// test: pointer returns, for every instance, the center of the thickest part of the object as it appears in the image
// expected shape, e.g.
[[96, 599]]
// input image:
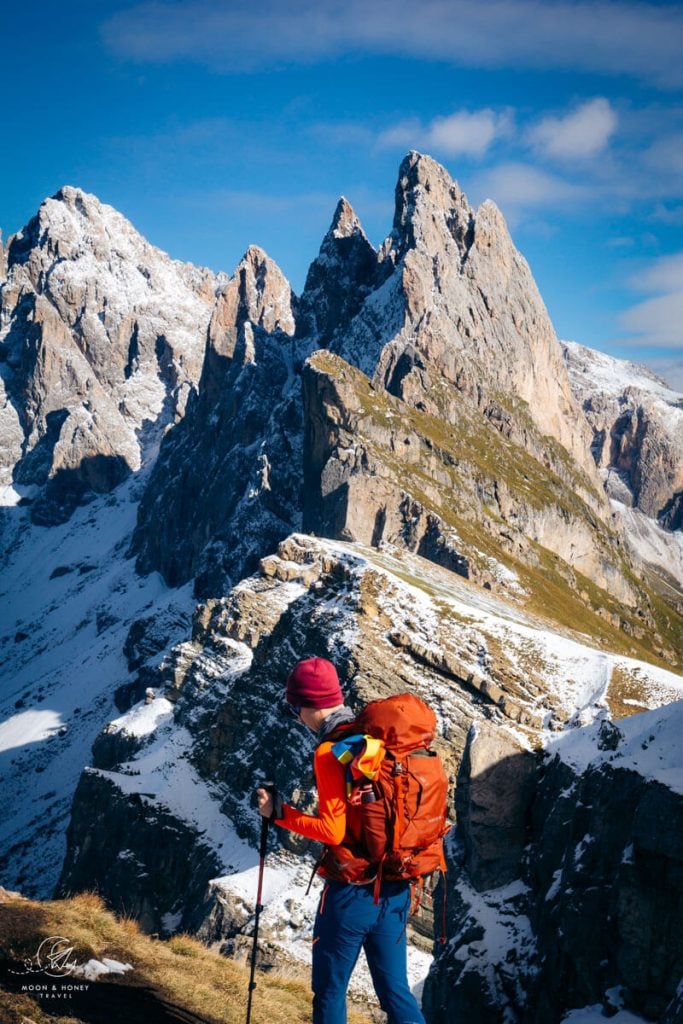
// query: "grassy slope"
[[556, 592], [181, 970]]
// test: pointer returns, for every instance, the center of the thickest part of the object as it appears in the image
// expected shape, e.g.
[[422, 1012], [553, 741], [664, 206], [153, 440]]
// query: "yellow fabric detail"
[[368, 762]]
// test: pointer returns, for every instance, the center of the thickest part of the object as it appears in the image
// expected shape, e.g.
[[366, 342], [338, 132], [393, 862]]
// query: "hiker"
[[357, 908]]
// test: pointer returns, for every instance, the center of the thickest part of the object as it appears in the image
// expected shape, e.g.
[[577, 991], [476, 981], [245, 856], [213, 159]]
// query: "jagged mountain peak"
[[257, 257], [490, 227], [117, 335], [259, 293], [76, 226], [431, 209], [68, 223], [340, 277], [345, 222]]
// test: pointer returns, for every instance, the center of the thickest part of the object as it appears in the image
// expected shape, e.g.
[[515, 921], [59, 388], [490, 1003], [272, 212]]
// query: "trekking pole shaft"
[[263, 846]]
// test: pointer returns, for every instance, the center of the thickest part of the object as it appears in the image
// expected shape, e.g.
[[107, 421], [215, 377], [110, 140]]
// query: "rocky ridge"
[[181, 768], [102, 337], [389, 620], [637, 424], [566, 890], [256, 422], [225, 487]]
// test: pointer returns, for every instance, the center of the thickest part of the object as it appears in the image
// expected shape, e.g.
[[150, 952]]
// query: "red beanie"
[[314, 683]]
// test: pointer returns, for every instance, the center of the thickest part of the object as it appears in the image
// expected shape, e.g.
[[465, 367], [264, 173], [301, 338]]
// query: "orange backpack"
[[400, 788]]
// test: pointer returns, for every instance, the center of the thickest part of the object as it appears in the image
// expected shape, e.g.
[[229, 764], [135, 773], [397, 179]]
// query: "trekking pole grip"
[[272, 789]]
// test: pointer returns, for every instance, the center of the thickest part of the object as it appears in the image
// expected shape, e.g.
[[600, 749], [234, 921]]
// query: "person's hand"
[[265, 803]]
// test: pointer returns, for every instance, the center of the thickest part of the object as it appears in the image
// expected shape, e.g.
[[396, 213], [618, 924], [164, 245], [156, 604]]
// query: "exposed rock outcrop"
[[461, 301], [593, 918], [101, 338], [377, 469], [492, 798], [445, 317], [637, 424], [391, 622], [339, 280], [160, 867], [225, 487]]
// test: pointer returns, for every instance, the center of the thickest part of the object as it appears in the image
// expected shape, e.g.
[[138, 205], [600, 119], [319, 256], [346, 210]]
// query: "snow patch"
[[94, 969], [650, 746]]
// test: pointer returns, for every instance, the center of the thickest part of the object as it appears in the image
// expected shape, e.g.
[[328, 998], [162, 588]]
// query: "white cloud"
[[663, 275], [462, 133], [665, 155], [658, 321], [517, 187], [581, 134], [611, 37]]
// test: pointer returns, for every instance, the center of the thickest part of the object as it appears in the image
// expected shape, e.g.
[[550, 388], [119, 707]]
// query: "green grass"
[[476, 457]]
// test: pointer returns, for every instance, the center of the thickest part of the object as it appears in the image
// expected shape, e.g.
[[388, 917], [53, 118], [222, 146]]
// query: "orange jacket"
[[336, 821]]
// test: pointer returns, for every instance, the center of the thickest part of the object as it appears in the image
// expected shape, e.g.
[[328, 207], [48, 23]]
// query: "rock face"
[[225, 682], [164, 859], [391, 621], [101, 338], [637, 424], [377, 469], [3, 260], [446, 327], [225, 487], [593, 917], [339, 280], [471, 308], [495, 783]]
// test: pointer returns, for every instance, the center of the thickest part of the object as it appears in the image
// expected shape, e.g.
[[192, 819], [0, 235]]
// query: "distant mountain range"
[[205, 477]]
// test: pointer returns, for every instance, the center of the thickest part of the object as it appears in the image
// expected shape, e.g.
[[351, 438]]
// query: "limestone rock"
[[143, 882], [257, 294], [340, 278], [493, 797], [441, 451], [391, 622], [378, 471], [595, 907], [637, 424], [456, 296], [102, 335], [225, 487]]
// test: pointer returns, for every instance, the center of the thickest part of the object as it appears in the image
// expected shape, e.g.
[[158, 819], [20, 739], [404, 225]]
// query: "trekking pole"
[[263, 846]]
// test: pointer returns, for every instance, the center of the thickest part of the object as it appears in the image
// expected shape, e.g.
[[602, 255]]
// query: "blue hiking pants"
[[348, 919]]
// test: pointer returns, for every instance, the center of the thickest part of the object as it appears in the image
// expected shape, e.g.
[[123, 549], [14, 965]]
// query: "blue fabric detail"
[[348, 919], [350, 745]]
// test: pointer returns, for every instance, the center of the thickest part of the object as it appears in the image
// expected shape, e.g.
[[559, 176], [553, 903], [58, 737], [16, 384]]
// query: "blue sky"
[[214, 124]]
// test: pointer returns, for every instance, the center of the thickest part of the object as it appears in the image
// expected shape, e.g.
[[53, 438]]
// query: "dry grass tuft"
[[181, 970]]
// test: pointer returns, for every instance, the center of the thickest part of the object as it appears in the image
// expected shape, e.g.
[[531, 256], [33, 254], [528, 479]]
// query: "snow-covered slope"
[[637, 423], [69, 596], [648, 743], [390, 620]]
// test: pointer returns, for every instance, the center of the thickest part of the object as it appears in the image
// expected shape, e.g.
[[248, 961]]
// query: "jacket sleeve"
[[329, 825]]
